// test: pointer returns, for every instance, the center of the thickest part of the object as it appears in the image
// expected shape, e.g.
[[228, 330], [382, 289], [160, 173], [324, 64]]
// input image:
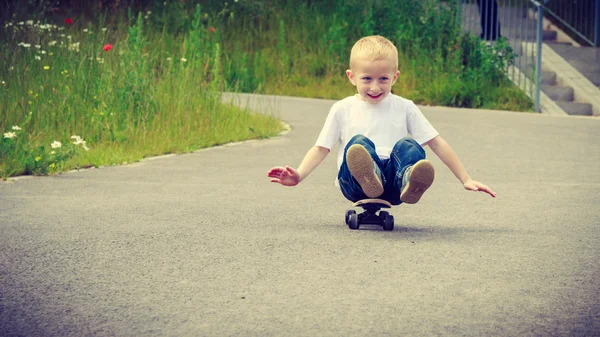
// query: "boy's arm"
[[445, 152], [289, 176]]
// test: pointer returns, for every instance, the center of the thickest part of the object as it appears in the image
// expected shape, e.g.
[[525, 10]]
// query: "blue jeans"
[[405, 153]]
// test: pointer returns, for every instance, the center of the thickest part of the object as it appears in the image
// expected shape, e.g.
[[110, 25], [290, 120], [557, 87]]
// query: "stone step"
[[549, 35], [557, 93], [584, 66], [594, 77], [548, 77], [574, 108]]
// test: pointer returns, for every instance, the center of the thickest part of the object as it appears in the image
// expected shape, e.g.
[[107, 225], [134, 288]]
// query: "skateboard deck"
[[375, 202], [370, 216]]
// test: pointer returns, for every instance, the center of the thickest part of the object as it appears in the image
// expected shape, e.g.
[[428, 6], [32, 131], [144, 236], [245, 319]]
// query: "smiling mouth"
[[375, 96]]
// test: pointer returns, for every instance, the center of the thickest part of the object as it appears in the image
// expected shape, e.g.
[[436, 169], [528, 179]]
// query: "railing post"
[[597, 25], [538, 54], [459, 13]]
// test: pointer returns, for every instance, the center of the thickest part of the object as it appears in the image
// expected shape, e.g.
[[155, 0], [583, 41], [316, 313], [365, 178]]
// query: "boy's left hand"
[[473, 185]]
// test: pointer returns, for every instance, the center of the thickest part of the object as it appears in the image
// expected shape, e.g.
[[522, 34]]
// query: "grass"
[[147, 81], [125, 100]]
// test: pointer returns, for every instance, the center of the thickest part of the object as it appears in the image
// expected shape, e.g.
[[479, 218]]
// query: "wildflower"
[[52, 165], [169, 59], [38, 158], [3, 83], [37, 46], [42, 52], [74, 46], [68, 21], [212, 29], [55, 144], [16, 128], [183, 59], [52, 43], [46, 67], [21, 23], [78, 140], [37, 57], [29, 22], [53, 152], [85, 30], [10, 135], [104, 29], [107, 47]]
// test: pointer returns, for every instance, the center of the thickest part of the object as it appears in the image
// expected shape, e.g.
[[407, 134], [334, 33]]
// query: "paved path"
[[203, 245]]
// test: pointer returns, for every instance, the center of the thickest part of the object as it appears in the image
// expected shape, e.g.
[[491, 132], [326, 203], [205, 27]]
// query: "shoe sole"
[[421, 178], [360, 164]]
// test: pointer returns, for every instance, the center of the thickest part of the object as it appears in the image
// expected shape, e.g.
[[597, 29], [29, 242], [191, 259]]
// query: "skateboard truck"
[[370, 216]]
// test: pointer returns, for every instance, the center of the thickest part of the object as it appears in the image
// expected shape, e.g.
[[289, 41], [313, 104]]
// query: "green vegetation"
[[147, 80]]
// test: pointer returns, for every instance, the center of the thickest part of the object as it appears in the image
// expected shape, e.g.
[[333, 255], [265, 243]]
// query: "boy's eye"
[[366, 78], [384, 79]]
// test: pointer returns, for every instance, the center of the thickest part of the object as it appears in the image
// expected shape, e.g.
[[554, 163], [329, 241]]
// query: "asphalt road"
[[203, 245]]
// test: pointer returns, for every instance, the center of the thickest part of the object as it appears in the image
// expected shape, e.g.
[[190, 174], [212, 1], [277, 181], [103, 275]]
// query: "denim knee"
[[407, 144], [360, 139]]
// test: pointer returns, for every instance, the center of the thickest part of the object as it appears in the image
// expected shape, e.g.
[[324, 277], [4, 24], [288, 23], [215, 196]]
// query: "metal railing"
[[580, 19], [511, 22]]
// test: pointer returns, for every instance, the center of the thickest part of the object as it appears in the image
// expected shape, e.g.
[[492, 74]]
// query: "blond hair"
[[374, 48]]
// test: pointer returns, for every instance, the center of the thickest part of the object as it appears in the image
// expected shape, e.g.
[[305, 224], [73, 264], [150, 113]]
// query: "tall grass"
[[439, 65], [127, 91], [157, 89]]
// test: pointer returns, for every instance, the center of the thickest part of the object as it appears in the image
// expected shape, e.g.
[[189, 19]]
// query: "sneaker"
[[416, 180], [364, 170]]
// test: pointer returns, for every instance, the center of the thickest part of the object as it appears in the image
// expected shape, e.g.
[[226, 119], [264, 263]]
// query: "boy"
[[376, 158]]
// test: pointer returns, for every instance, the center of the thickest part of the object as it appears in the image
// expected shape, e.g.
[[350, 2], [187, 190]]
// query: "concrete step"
[[585, 66], [549, 35], [594, 77], [574, 108], [557, 93], [548, 77]]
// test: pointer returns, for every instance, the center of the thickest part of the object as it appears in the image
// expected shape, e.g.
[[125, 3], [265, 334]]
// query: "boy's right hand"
[[285, 176]]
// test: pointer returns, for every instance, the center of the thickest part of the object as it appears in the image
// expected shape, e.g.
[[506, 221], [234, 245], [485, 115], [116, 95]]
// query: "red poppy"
[[68, 21], [211, 29], [107, 47]]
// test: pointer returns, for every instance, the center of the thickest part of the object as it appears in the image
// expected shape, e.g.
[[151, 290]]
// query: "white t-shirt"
[[384, 124]]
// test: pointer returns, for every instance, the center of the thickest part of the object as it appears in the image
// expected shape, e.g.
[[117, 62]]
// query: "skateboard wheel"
[[348, 213], [388, 221], [353, 221]]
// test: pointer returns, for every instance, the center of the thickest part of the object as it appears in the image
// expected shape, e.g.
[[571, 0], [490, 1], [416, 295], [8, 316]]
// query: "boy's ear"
[[351, 77], [396, 76]]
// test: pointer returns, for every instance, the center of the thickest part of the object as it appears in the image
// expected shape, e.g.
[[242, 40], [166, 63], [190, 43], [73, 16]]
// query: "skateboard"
[[370, 216]]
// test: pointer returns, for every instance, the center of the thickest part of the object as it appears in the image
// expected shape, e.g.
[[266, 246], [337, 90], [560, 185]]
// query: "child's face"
[[373, 79]]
